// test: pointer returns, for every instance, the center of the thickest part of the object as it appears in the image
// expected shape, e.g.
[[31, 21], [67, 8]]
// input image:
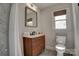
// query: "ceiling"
[[44, 5]]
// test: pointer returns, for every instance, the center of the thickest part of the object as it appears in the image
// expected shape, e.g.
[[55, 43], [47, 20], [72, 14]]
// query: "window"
[[60, 19]]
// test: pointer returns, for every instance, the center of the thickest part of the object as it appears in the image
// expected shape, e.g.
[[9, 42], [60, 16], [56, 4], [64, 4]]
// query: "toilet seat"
[[60, 47]]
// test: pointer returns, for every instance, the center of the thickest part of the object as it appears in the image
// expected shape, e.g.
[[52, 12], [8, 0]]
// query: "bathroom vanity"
[[34, 45]]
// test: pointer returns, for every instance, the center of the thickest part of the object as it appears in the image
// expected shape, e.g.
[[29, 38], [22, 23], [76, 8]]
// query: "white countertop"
[[33, 36]]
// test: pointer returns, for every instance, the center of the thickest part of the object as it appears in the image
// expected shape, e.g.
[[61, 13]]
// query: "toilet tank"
[[61, 39]]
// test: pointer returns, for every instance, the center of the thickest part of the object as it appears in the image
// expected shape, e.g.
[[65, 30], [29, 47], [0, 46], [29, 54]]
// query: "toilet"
[[60, 46]]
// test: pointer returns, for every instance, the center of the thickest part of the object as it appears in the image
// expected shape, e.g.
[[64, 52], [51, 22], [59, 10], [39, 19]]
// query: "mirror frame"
[[26, 17]]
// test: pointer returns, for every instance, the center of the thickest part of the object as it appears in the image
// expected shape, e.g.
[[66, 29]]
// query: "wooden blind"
[[61, 12], [30, 19]]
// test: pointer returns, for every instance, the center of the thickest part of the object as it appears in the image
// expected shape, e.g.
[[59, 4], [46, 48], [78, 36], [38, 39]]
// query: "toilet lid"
[[60, 46]]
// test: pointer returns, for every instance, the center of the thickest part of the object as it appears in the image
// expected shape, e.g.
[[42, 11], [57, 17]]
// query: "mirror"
[[30, 17]]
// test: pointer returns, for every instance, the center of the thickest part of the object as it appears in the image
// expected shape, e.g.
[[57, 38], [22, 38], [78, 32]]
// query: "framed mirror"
[[30, 17]]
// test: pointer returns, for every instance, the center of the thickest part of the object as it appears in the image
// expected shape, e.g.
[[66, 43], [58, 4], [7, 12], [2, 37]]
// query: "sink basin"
[[32, 36]]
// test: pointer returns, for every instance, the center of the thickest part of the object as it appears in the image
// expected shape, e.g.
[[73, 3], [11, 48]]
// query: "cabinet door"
[[27, 47], [35, 45], [38, 45]]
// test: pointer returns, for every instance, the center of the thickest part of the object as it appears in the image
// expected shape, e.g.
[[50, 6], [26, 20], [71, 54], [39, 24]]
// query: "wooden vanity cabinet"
[[33, 46]]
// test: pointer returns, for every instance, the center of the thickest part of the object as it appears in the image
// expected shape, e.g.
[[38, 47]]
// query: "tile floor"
[[48, 53], [53, 53]]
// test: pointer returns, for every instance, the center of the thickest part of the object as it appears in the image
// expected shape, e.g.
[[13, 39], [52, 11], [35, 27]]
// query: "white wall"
[[49, 28]]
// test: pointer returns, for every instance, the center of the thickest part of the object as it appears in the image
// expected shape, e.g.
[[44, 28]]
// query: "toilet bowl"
[[60, 47]]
